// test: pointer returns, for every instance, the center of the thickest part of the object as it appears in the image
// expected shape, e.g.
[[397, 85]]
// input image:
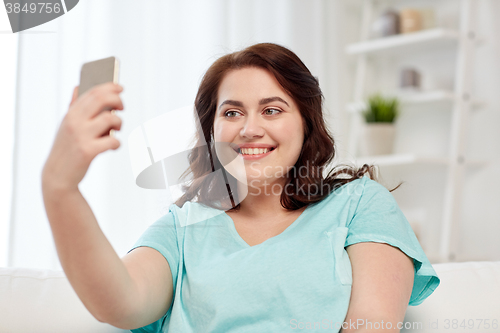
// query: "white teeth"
[[254, 151]]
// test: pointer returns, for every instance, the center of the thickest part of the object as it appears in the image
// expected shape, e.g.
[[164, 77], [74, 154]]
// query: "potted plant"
[[379, 130]]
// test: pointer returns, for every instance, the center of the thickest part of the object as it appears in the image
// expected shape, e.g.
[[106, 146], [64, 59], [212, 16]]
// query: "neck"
[[261, 200]]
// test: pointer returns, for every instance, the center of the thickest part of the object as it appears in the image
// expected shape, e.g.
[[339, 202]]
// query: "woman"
[[260, 251]]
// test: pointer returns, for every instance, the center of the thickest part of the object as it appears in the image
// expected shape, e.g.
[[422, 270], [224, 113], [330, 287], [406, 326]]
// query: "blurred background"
[[430, 68]]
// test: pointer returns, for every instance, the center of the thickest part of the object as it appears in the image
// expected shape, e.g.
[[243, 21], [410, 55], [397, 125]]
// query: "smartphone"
[[97, 72]]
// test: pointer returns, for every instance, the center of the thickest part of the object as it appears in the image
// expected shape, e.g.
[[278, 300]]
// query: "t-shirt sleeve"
[[162, 236], [378, 218]]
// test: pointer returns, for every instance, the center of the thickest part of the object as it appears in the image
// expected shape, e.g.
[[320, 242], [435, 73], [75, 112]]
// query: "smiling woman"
[[275, 244], [292, 243], [264, 97]]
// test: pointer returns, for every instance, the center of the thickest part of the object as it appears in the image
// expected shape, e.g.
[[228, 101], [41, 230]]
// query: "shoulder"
[[361, 187], [363, 193], [339, 206], [342, 204], [353, 192], [193, 212]]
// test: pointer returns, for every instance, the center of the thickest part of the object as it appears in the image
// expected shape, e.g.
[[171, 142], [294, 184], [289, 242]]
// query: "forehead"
[[248, 84]]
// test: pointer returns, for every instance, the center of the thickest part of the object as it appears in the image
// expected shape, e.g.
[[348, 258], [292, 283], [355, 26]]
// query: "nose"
[[252, 128]]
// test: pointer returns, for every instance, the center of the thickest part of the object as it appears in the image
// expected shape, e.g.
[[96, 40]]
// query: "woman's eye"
[[271, 112], [231, 114]]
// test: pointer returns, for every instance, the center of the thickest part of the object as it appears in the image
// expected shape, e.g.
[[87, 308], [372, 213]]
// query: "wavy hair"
[[318, 149]]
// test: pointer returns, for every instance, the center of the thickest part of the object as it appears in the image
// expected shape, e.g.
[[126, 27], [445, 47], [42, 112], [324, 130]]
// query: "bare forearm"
[[371, 326], [92, 266]]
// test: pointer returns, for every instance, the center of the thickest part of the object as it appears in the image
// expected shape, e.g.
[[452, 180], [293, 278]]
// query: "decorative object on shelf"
[[379, 130], [410, 20], [428, 18], [381, 109], [410, 79], [387, 24]]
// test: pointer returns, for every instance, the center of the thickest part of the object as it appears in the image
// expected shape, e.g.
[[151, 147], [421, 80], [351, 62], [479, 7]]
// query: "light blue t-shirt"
[[303, 275]]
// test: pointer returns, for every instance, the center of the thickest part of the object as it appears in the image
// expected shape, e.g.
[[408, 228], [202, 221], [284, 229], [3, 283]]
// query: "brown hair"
[[318, 149]]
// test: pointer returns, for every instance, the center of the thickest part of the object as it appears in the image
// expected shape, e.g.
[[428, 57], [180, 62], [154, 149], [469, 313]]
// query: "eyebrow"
[[272, 99], [261, 102], [231, 102]]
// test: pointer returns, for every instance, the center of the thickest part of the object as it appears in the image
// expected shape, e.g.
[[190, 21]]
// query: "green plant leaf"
[[381, 109]]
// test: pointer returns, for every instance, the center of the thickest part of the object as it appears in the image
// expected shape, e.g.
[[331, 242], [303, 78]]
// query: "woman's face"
[[261, 123]]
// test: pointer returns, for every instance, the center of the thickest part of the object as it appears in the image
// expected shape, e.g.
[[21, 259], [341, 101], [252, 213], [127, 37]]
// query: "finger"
[[105, 143], [104, 122], [95, 104], [75, 96], [101, 97], [112, 131]]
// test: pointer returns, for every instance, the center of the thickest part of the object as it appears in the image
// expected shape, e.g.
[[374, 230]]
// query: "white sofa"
[[38, 301], [43, 301], [467, 300]]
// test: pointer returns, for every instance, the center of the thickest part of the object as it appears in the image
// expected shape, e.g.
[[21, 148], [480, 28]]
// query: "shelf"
[[403, 41], [398, 159], [409, 158], [417, 97], [411, 98], [427, 97]]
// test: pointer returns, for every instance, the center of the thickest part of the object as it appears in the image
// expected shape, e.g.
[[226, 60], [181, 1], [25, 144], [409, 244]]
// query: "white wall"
[[480, 226], [8, 66]]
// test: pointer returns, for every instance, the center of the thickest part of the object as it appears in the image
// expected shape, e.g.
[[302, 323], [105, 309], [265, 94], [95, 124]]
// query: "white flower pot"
[[377, 139]]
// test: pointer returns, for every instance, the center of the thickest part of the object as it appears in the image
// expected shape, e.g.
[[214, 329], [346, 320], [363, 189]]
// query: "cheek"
[[292, 134], [221, 131], [296, 142]]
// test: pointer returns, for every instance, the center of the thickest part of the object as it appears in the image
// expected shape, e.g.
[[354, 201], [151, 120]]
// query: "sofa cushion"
[[43, 301], [467, 300]]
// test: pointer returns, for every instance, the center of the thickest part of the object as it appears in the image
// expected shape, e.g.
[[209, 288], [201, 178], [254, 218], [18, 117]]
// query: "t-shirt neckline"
[[240, 240]]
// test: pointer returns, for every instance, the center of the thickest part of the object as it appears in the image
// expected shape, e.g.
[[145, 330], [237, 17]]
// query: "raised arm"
[[129, 292]]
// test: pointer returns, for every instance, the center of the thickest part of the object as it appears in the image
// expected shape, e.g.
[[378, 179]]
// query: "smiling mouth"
[[254, 151]]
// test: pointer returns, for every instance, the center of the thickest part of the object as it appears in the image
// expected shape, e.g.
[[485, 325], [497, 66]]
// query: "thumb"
[[75, 96]]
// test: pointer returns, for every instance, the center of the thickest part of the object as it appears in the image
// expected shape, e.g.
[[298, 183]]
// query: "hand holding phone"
[[98, 72], [83, 133]]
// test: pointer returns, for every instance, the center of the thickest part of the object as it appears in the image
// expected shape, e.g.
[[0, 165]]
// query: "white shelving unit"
[[459, 102], [412, 98], [401, 159], [397, 43]]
